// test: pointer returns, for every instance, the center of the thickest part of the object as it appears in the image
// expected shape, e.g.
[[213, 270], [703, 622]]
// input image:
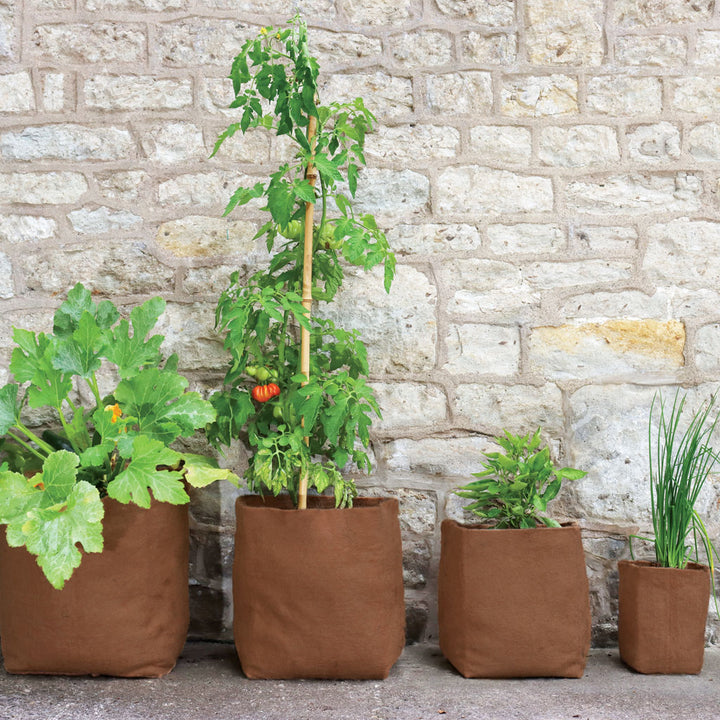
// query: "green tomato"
[[251, 370], [277, 412], [327, 237], [262, 374], [293, 230]]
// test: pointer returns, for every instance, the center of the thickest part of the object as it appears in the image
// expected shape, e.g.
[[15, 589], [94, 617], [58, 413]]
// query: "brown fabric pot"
[[124, 612], [318, 593], [513, 603], [662, 616]]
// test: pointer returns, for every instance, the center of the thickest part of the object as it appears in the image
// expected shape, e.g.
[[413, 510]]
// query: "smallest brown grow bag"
[[662, 616], [318, 593], [124, 612], [513, 603]]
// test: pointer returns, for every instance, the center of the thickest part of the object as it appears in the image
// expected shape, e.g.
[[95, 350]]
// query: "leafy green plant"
[[515, 487], [52, 481], [315, 419], [680, 462]]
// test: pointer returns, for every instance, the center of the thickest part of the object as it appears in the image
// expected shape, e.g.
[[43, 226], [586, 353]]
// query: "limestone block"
[[87, 221], [517, 408], [483, 12], [482, 350], [501, 145], [197, 42], [707, 48], [564, 31], [16, 93], [607, 349], [380, 12], [613, 239], [26, 229], [700, 304], [196, 236], [208, 188], [654, 144], [111, 268], [699, 95], [85, 43], [433, 238], [550, 275], [474, 190], [392, 192], [121, 184], [284, 8], [40, 188], [135, 5], [9, 38], [579, 146], [416, 561], [137, 92], [421, 48], [458, 93], [398, 328], [387, 97], [53, 92], [538, 96], [623, 303], [252, 147], [648, 13], [704, 142], [336, 48], [7, 288], [526, 238], [412, 143], [707, 348], [173, 142], [409, 405], [495, 49], [683, 253], [651, 50], [624, 95], [208, 280], [636, 194], [438, 456], [609, 440], [189, 331], [67, 142]]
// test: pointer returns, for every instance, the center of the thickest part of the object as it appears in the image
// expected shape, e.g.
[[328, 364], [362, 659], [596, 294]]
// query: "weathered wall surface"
[[546, 170]]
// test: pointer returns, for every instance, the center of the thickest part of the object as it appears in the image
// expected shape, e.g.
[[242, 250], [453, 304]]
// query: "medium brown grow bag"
[[318, 593], [662, 615], [124, 612], [513, 603]]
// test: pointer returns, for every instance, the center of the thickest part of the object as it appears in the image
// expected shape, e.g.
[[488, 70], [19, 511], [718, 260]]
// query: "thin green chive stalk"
[[680, 463]]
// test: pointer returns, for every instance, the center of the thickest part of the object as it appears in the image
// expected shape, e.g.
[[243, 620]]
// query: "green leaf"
[[58, 476], [18, 495], [79, 354], [9, 407], [142, 475], [53, 533], [67, 316], [570, 474], [96, 455], [201, 471]]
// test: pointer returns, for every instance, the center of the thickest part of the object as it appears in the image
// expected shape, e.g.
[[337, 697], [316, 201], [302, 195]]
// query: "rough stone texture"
[[564, 31], [579, 146], [546, 171]]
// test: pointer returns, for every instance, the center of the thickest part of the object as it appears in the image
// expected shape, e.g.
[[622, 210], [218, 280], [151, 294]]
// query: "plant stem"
[[26, 445], [311, 175], [34, 438]]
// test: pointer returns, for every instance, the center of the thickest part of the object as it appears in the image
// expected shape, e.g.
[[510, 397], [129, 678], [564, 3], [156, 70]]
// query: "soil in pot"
[[662, 616], [124, 612], [513, 603], [318, 593]]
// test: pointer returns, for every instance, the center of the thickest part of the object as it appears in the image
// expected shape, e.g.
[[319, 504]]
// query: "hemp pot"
[[318, 593], [124, 612], [513, 603], [662, 616]]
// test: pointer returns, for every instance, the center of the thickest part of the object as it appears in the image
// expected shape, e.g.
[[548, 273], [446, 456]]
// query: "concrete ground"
[[207, 684]]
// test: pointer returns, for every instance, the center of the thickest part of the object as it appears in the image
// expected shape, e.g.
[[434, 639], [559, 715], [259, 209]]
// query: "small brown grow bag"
[[513, 603], [662, 615], [318, 593], [124, 612]]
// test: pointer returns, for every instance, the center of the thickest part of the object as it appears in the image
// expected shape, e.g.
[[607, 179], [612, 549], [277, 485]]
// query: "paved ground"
[[207, 685]]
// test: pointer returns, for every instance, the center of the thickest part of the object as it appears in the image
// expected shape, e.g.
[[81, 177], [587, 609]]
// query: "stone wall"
[[547, 172]]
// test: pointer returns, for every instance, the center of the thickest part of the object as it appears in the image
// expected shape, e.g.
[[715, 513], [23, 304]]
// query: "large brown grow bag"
[[318, 593], [124, 612], [513, 603], [662, 615]]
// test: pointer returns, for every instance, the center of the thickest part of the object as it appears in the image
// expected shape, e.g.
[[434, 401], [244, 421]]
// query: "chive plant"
[[680, 462]]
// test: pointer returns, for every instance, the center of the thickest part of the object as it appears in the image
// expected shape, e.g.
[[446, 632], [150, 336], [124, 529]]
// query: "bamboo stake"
[[311, 176]]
